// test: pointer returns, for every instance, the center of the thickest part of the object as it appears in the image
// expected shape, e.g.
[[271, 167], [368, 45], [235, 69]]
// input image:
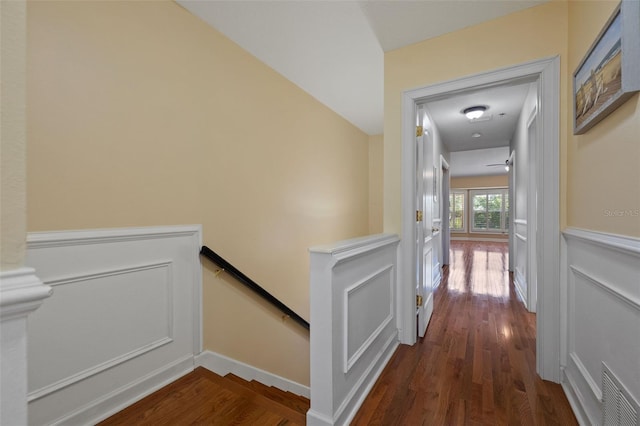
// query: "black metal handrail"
[[232, 270]]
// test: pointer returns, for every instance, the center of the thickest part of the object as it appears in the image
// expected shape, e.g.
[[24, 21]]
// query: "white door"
[[424, 220]]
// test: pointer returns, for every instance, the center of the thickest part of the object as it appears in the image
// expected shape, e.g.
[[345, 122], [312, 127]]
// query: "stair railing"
[[248, 282]]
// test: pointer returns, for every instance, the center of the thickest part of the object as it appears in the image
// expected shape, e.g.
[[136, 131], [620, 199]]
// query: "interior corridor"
[[476, 364]]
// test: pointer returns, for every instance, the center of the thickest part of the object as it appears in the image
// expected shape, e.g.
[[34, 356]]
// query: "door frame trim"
[[547, 72], [445, 188]]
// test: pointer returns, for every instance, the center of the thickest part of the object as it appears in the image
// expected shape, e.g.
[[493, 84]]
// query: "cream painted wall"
[[140, 114], [376, 182], [475, 182], [13, 217], [520, 37], [466, 182], [604, 163]]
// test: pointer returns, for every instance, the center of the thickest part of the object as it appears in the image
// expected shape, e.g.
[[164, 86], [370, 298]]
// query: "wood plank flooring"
[[476, 364], [205, 398]]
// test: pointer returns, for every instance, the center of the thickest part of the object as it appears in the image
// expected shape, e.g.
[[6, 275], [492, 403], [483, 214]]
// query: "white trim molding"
[[601, 319], [223, 365], [546, 72], [622, 243], [351, 359], [483, 239], [37, 240], [21, 293]]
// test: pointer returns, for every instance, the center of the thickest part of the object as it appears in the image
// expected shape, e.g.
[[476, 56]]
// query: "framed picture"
[[609, 73]]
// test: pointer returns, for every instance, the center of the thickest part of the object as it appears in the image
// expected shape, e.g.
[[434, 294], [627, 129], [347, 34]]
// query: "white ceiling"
[[496, 126], [479, 162], [334, 50]]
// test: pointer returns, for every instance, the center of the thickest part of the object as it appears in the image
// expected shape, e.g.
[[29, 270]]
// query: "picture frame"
[[608, 74]]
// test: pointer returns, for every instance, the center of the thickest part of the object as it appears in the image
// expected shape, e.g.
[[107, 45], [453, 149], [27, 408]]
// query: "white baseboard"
[[574, 398], [481, 239], [369, 379], [520, 285], [122, 398], [351, 404], [223, 365]]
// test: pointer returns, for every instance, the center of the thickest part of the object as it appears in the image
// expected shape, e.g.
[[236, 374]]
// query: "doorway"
[[547, 224]]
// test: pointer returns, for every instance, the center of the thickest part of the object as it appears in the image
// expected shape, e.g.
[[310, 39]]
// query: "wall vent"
[[619, 408]]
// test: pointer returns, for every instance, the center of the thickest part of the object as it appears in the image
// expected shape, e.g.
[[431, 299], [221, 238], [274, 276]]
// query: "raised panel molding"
[[124, 318], [609, 288], [353, 312], [133, 353], [602, 320], [351, 358]]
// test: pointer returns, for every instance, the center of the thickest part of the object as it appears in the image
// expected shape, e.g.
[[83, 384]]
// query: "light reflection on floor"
[[481, 269]]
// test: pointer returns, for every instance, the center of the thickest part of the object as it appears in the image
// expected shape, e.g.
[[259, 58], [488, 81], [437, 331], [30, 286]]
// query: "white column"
[[21, 292]]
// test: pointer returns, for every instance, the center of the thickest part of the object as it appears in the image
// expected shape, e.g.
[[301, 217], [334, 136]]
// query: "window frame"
[[463, 192], [504, 213]]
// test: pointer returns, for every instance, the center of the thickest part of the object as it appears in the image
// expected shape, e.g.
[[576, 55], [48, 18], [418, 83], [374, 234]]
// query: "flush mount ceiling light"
[[474, 112]]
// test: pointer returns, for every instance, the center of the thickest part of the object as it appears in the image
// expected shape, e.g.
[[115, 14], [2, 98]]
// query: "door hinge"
[[418, 300], [418, 130], [418, 215]]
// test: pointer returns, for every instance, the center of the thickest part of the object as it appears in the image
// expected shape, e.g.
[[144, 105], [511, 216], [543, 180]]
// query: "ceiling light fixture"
[[474, 112], [476, 135]]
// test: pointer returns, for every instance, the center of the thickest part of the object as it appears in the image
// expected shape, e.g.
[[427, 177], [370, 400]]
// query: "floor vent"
[[619, 408]]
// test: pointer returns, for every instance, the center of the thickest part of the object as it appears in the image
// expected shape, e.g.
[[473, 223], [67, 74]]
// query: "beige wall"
[[466, 182], [520, 37], [475, 182], [376, 182], [140, 114], [13, 218], [603, 184]]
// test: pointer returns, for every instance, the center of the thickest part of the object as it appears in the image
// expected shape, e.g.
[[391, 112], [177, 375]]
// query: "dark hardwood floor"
[[476, 365], [205, 398]]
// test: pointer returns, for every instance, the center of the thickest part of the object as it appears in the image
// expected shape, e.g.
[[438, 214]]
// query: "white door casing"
[[547, 72], [445, 232], [532, 247]]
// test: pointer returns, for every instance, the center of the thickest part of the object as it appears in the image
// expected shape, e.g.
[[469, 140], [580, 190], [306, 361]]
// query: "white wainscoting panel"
[[123, 320], [520, 259], [353, 312], [603, 317], [368, 309]]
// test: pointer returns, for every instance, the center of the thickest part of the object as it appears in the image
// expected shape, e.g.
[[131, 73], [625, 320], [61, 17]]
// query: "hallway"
[[476, 364]]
